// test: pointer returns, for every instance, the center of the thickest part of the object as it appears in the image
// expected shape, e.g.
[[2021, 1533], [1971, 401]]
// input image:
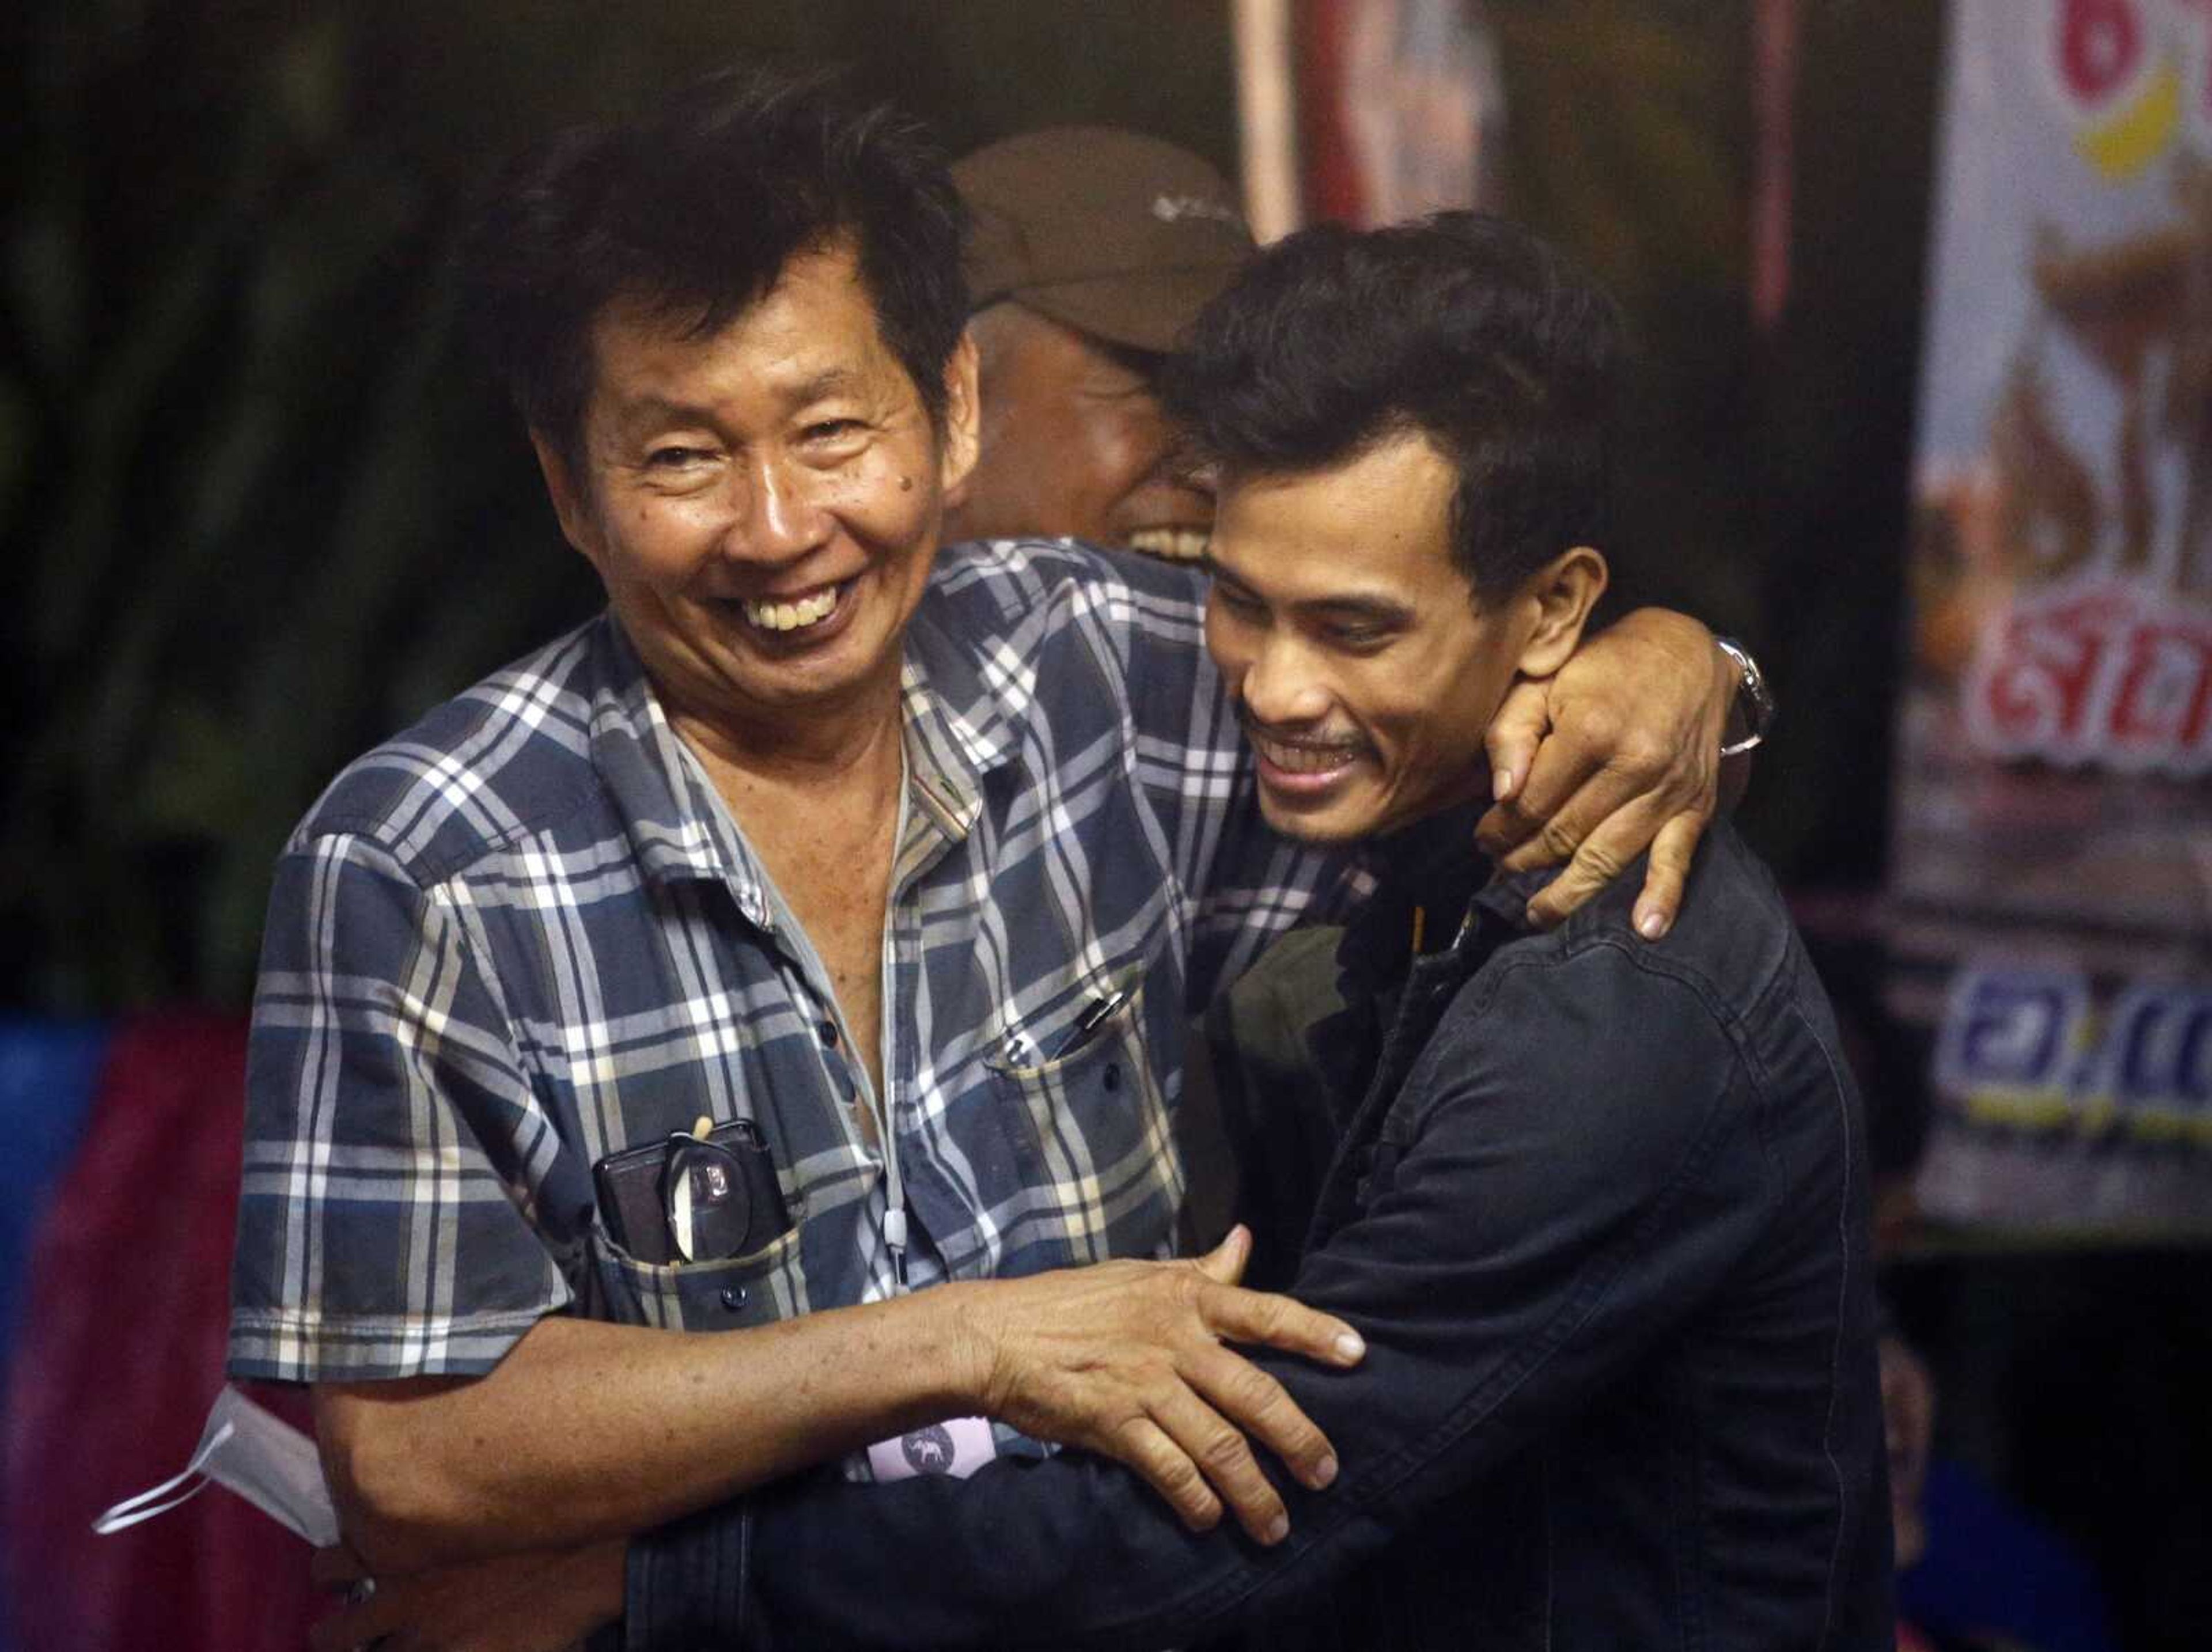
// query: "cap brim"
[[1147, 312]]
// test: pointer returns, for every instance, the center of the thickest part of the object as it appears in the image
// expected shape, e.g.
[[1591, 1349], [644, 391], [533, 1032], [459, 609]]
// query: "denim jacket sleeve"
[[1575, 1161]]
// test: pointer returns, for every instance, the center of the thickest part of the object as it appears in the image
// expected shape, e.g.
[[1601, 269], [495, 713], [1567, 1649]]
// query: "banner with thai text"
[[2052, 864]]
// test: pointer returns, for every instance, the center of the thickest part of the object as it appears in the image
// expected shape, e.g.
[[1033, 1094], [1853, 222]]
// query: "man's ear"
[[562, 487], [960, 437], [1563, 592]]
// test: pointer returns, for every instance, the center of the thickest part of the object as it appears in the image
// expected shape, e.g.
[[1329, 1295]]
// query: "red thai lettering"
[[2112, 675], [2161, 707], [2035, 694]]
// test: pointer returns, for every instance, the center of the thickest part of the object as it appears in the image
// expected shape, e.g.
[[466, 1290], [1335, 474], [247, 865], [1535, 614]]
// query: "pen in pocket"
[[1088, 1020]]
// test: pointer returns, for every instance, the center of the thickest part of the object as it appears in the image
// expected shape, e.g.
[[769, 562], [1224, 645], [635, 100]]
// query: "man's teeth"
[[1171, 544], [793, 615], [1303, 759]]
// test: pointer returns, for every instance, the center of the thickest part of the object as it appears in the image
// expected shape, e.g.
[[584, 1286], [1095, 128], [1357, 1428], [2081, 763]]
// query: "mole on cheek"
[[906, 484]]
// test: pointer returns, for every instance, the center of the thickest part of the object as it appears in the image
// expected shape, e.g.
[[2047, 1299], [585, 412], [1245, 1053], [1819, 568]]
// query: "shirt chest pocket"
[[725, 1294], [1080, 1091], [762, 1281]]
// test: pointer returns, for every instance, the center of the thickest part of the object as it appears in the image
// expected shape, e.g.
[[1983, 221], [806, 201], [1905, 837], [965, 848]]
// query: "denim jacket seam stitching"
[[1693, 1621], [1397, 1108], [1387, 1475], [1491, 984], [1836, 1348], [1733, 1023]]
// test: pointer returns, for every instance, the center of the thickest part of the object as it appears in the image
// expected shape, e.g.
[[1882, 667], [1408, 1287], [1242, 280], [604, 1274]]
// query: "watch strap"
[[1755, 699]]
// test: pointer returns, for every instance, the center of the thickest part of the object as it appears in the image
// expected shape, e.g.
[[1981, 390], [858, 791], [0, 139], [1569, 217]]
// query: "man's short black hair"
[[1461, 326], [694, 210]]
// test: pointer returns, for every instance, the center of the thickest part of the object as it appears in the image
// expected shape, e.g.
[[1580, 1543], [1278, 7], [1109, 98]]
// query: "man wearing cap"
[[1090, 250]]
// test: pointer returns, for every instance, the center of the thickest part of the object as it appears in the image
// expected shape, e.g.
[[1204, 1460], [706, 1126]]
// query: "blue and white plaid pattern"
[[525, 934]]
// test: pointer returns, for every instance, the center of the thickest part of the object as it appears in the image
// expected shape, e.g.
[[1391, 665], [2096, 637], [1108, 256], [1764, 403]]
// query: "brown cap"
[[1110, 232]]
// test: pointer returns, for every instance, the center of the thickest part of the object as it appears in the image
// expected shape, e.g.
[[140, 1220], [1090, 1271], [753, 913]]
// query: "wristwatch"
[[1754, 700]]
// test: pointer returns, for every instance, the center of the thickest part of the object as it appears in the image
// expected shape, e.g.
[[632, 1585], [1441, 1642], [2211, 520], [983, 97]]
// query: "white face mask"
[[257, 1454]]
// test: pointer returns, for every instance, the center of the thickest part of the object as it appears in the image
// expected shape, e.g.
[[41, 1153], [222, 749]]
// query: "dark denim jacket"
[[1600, 1214]]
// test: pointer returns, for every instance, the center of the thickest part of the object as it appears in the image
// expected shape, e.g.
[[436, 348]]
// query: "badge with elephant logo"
[[957, 1447]]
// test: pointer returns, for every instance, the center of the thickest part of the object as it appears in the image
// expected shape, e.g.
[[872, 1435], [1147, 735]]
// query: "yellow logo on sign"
[[2122, 146]]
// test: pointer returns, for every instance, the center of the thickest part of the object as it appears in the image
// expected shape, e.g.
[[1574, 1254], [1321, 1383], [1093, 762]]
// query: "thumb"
[[1224, 1263], [1521, 719]]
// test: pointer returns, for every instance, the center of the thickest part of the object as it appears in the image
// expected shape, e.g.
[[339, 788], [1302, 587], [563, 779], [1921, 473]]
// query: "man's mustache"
[[1300, 741]]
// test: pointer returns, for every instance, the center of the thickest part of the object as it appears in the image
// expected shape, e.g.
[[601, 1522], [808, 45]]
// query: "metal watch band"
[[1752, 697]]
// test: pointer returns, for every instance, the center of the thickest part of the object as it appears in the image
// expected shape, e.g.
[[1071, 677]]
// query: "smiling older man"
[[818, 925]]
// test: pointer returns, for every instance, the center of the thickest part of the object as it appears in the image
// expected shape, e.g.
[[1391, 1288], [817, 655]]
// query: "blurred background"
[[1926, 297]]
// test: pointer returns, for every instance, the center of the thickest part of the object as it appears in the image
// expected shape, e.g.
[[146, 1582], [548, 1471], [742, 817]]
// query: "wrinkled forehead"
[[815, 330]]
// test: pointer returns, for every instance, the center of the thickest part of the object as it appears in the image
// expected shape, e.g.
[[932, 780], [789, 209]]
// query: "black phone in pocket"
[[688, 1200]]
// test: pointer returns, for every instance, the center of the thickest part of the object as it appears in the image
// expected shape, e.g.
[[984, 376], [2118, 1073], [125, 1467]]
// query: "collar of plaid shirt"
[[955, 734]]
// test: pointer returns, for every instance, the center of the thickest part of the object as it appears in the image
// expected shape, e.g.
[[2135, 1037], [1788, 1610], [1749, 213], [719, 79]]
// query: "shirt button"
[[733, 1297], [828, 1030]]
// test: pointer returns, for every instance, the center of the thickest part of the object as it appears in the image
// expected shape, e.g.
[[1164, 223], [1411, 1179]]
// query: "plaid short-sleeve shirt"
[[525, 934]]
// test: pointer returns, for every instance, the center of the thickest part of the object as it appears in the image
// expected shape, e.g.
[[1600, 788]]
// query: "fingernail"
[[1278, 1529], [1324, 1472], [1651, 926], [1500, 784], [1350, 1349]]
